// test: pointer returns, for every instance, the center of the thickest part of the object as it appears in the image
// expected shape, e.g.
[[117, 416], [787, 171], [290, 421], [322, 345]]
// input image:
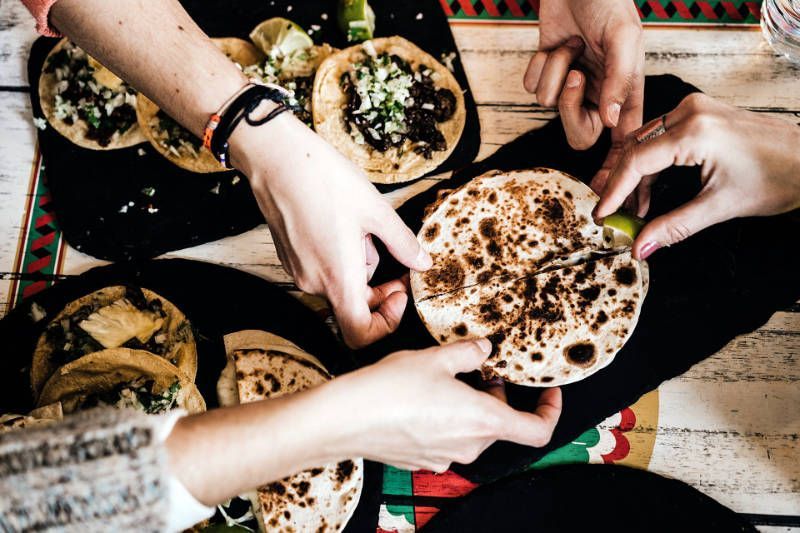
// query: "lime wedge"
[[623, 227], [282, 33], [356, 19]]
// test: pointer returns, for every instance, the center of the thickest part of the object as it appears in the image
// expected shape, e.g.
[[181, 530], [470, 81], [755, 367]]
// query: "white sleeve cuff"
[[184, 509]]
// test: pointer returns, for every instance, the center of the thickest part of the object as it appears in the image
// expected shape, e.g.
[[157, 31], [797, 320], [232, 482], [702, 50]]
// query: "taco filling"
[[137, 394], [274, 70], [129, 322], [389, 102], [86, 91], [174, 138]]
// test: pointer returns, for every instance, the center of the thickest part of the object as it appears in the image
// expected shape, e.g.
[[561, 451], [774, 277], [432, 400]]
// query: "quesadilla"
[[85, 102], [122, 378], [175, 142], [389, 107], [518, 259], [264, 366], [115, 317]]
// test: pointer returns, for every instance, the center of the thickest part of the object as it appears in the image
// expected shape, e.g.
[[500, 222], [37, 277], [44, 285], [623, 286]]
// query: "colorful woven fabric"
[[651, 11]]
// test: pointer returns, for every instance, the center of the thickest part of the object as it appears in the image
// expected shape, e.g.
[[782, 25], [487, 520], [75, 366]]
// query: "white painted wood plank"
[[16, 35]]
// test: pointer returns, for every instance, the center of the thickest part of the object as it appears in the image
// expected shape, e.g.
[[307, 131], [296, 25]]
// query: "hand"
[[750, 167], [322, 212], [604, 39], [412, 413]]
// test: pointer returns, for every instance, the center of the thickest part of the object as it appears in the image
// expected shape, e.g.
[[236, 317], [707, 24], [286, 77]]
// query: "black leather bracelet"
[[240, 109]]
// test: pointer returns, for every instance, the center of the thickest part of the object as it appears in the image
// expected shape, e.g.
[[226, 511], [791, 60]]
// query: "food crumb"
[[288, 9], [236, 179], [215, 189], [149, 191], [123, 209], [324, 16], [419, 16], [152, 210], [37, 313], [40, 123], [140, 152]]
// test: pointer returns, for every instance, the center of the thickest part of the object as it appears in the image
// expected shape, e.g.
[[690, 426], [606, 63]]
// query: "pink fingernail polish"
[[648, 249], [613, 113]]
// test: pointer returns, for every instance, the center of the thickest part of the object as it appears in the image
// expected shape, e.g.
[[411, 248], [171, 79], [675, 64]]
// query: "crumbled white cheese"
[[40, 123]]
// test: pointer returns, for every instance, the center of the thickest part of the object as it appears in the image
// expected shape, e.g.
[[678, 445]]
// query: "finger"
[[463, 356], [497, 388], [534, 72], [534, 429], [400, 241], [372, 257], [360, 325], [623, 68], [377, 295], [643, 195], [706, 209], [638, 160], [582, 125], [555, 71]]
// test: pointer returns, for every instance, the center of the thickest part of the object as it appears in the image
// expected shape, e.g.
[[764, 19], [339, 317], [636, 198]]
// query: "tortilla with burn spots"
[[518, 259]]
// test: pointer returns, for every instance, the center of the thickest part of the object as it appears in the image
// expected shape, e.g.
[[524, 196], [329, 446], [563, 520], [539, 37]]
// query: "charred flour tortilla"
[[390, 107], [175, 142], [41, 416], [264, 366], [122, 378], [87, 103], [518, 259], [114, 317]]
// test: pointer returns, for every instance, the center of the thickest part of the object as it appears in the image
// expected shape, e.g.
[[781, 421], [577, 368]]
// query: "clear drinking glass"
[[780, 23]]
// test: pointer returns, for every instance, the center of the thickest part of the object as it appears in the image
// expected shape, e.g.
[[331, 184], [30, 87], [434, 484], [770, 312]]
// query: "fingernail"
[[648, 249], [485, 345], [424, 260], [613, 113], [575, 42], [573, 79]]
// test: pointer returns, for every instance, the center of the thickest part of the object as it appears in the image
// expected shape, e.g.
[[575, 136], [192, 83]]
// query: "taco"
[[175, 142], [264, 366], [518, 259], [85, 102], [115, 317], [41, 416], [122, 378], [389, 107]]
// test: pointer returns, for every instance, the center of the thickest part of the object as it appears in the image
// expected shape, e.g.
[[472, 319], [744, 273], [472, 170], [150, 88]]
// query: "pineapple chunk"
[[115, 324]]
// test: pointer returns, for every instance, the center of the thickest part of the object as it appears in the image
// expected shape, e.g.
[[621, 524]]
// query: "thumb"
[[534, 429], [400, 241], [671, 228], [463, 356]]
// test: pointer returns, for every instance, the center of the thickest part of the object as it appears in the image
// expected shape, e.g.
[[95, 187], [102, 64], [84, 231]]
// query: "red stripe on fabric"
[[466, 7], [43, 241], [514, 8], [446, 7], [732, 10], [658, 9], [682, 10], [490, 8], [621, 449], [535, 5], [446, 485], [707, 10], [44, 199], [423, 515], [33, 288], [43, 220], [628, 419], [39, 264], [755, 9]]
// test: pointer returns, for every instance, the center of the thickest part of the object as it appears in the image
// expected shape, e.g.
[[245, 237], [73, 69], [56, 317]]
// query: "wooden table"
[[729, 426]]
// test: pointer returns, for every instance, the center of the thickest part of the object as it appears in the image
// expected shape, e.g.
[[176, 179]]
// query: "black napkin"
[[725, 281], [92, 190], [587, 498]]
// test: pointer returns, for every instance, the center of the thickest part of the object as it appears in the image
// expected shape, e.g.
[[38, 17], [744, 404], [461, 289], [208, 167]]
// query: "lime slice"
[[356, 19], [623, 227], [282, 33]]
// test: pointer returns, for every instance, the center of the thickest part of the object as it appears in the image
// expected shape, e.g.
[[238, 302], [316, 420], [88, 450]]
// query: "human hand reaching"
[[602, 40], [411, 411], [322, 213], [750, 167]]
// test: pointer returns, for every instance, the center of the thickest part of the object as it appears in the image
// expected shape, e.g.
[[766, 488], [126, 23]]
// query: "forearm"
[[157, 48], [226, 452]]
